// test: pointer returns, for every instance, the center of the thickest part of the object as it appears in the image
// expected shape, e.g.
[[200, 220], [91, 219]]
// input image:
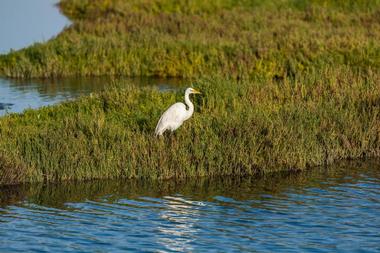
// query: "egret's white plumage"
[[176, 114]]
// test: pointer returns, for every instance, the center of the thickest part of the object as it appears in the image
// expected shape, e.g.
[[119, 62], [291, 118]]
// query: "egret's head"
[[192, 91]]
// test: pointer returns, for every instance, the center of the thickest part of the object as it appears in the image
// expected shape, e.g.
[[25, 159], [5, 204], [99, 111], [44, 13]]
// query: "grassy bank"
[[239, 128], [286, 85], [198, 38]]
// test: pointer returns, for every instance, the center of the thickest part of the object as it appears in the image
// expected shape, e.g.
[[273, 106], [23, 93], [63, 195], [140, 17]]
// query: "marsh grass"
[[170, 38], [287, 85], [239, 128]]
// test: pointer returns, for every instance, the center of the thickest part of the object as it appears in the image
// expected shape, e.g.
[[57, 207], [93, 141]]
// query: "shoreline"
[[282, 179]]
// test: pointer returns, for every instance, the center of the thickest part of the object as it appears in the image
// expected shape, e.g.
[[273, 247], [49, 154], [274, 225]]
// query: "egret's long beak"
[[196, 92]]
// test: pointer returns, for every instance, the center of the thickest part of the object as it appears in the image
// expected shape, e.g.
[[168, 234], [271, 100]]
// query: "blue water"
[[24, 22], [324, 210], [19, 95]]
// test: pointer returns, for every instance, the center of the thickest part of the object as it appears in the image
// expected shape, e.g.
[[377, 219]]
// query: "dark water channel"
[[324, 210]]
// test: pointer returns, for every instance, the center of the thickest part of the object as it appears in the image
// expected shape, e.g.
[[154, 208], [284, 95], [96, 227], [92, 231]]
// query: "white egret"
[[176, 114]]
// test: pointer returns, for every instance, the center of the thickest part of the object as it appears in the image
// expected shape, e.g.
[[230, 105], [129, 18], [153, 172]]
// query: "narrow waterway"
[[18, 95]]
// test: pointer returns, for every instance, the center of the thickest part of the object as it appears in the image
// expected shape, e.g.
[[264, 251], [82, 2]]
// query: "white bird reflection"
[[182, 216]]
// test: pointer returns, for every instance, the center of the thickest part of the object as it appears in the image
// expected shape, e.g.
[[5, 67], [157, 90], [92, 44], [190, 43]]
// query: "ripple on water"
[[318, 211]]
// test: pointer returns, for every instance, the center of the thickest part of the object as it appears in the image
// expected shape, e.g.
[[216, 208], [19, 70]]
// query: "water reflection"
[[184, 216], [333, 209], [262, 187], [18, 95]]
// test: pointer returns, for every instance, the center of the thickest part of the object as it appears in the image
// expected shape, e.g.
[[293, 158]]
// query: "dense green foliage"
[[197, 38], [239, 128], [286, 85]]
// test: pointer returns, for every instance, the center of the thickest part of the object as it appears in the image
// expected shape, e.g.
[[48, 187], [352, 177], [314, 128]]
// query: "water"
[[24, 22], [336, 209], [18, 95]]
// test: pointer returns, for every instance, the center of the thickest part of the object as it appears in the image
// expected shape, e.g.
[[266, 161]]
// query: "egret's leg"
[[172, 136]]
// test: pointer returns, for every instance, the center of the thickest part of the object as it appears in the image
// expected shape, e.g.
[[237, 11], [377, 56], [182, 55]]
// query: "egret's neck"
[[189, 104]]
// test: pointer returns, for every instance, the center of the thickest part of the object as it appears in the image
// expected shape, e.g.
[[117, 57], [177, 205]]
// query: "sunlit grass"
[[286, 85], [239, 128], [197, 38]]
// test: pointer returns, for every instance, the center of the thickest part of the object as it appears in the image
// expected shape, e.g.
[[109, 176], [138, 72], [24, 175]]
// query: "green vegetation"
[[197, 38], [239, 128], [286, 85]]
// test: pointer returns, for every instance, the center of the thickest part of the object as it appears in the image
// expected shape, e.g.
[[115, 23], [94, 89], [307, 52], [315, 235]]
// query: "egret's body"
[[176, 114]]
